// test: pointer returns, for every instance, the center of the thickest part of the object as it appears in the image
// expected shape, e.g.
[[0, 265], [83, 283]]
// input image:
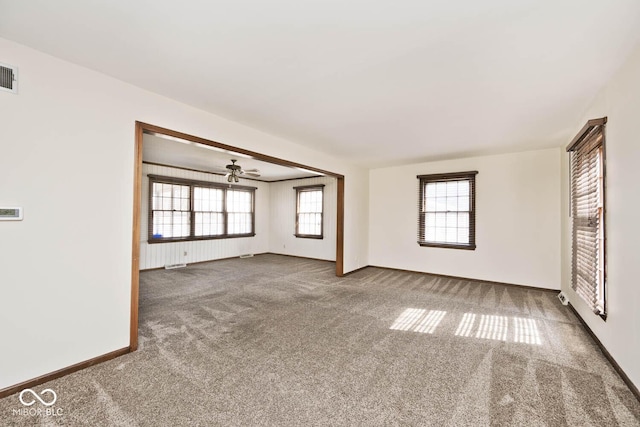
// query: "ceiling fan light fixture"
[[236, 170]]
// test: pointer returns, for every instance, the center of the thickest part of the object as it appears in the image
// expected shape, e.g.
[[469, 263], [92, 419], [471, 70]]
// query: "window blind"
[[446, 210], [588, 270]]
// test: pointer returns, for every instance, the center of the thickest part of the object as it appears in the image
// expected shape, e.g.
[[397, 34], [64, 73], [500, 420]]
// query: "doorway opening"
[[143, 129]]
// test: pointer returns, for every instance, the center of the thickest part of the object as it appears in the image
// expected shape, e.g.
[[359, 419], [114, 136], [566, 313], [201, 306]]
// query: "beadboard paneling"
[[160, 254]]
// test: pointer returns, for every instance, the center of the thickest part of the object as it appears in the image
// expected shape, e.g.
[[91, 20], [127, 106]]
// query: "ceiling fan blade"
[[252, 174]]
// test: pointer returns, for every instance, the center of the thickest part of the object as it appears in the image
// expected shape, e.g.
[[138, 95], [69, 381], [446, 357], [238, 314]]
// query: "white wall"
[[517, 219], [67, 144], [159, 254], [619, 100], [283, 220]]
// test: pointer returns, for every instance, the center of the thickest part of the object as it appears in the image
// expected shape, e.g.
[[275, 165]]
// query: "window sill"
[[448, 246], [192, 239], [309, 236]]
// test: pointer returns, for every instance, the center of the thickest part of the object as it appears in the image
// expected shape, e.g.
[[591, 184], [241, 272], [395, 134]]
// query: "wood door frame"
[[140, 130]]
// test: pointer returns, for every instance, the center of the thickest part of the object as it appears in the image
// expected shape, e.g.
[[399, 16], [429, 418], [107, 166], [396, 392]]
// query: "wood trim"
[[340, 229], [135, 250], [153, 241], [608, 355], [62, 372], [585, 130], [297, 256], [160, 131], [308, 187], [443, 176], [295, 179], [444, 245], [194, 182]]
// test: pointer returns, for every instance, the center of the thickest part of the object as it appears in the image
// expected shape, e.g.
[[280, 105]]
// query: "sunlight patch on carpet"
[[418, 320], [526, 331], [493, 327]]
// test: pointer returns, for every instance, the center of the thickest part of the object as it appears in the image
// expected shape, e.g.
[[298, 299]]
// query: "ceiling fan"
[[236, 170]]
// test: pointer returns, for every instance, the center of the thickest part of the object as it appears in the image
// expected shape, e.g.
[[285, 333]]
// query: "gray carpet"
[[280, 341]]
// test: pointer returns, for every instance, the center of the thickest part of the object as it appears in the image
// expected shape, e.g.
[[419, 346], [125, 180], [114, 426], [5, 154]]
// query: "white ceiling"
[[375, 82], [174, 152]]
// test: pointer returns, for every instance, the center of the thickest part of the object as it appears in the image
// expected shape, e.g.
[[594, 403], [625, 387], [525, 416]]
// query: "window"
[[171, 208], [209, 214], [446, 210], [239, 212], [309, 208], [181, 209], [588, 267]]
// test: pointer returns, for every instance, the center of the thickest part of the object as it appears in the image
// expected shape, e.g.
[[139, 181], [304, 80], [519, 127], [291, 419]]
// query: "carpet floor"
[[280, 341]]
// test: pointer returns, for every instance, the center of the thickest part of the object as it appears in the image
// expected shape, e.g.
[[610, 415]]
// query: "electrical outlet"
[[185, 253], [563, 298]]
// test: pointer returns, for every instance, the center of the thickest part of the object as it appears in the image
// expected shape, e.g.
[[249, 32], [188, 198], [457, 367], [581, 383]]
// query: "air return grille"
[[8, 78]]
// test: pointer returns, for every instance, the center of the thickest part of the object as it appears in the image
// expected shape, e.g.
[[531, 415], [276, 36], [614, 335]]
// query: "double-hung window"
[[239, 212], [446, 210], [309, 211], [171, 207], [181, 209], [209, 212], [588, 269]]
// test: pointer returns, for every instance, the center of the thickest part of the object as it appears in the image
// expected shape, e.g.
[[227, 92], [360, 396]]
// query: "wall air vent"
[[174, 266], [8, 78]]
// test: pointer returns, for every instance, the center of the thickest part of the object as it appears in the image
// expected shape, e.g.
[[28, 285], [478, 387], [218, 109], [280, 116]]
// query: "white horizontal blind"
[[587, 208], [447, 210]]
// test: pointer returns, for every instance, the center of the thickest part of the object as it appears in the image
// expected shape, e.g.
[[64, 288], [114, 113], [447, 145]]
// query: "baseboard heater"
[[246, 256], [174, 266]]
